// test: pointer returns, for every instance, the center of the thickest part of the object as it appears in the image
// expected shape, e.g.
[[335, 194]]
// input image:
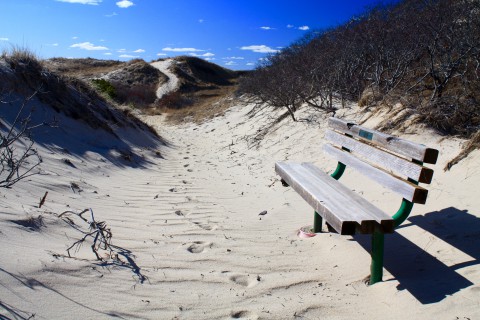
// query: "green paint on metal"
[[406, 206], [376, 268], [365, 134], [402, 213], [338, 171], [317, 223]]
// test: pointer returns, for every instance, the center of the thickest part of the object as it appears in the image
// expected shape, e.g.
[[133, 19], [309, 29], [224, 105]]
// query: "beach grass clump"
[[105, 87]]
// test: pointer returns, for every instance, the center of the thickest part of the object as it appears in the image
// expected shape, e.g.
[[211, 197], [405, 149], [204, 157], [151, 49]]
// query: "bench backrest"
[[393, 162]]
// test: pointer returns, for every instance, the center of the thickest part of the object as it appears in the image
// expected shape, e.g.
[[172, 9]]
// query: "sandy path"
[[172, 83], [192, 223]]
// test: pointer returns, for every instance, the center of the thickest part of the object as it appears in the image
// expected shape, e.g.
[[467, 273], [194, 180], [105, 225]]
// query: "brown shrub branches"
[[424, 54]]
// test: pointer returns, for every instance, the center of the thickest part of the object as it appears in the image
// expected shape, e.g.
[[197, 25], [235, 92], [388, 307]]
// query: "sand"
[[191, 223], [172, 84]]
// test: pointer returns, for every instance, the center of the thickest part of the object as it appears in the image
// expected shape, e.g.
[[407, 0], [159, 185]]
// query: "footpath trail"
[[172, 83]]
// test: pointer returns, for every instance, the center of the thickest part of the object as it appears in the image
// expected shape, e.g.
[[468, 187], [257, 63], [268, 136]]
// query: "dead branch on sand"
[[102, 242]]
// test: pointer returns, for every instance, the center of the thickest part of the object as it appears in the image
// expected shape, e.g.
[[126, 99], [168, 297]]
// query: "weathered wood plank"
[[382, 158], [400, 146], [384, 219], [342, 208], [406, 189]]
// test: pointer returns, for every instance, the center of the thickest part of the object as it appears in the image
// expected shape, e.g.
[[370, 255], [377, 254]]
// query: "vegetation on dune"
[[423, 54], [26, 75], [105, 87]]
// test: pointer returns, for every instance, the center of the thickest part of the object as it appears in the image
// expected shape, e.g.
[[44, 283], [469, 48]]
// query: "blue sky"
[[231, 33]]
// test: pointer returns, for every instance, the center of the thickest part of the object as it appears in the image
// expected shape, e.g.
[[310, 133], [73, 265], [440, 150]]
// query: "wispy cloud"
[[259, 48], [304, 28], [290, 26], [121, 50], [201, 20], [92, 2], [74, 38], [210, 59], [250, 64], [233, 58], [230, 63], [125, 4], [127, 56], [181, 49], [111, 15], [207, 54], [4, 39], [108, 53], [88, 46], [267, 28], [139, 51], [161, 54]]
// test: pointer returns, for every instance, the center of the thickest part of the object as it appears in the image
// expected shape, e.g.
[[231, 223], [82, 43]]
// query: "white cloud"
[[125, 4], [304, 28], [4, 39], [87, 46], [267, 28], [181, 49], [230, 63], [210, 59], [74, 38], [111, 15], [127, 56], [250, 64], [233, 58], [108, 53], [290, 26], [161, 54], [139, 51], [92, 2], [259, 48], [201, 21], [121, 50], [208, 54]]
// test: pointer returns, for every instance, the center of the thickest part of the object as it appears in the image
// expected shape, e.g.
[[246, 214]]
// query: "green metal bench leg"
[[317, 223], [376, 268]]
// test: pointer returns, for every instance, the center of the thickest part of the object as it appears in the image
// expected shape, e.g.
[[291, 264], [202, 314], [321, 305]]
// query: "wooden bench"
[[395, 163]]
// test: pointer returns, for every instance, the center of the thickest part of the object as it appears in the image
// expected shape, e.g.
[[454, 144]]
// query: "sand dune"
[[190, 222]]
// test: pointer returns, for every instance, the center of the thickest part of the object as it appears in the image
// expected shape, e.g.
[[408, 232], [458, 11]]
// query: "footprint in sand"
[[206, 226], [199, 246], [243, 280], [247, 315]]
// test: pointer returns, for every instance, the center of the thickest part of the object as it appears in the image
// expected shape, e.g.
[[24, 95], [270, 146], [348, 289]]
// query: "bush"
[[105, 87]]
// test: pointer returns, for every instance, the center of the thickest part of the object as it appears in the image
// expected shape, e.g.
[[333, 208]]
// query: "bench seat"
[[346, 211]]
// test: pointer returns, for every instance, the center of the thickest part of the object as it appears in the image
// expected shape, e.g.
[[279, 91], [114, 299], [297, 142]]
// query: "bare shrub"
[[18, 158], [175, 100], [423, 54]]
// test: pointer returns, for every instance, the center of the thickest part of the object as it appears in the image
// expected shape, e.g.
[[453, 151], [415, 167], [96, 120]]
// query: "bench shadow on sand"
[[428, 279]]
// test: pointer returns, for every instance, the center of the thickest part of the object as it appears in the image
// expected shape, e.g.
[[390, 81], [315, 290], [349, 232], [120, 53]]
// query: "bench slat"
[[408, 190], [403, 147], [382, 158], [384, 219], [344, 210]]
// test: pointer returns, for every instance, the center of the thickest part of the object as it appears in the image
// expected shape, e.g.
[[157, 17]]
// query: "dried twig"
[[42, 200], [101, 237]]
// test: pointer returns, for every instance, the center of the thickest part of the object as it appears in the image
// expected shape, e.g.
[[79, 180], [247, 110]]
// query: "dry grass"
[[206, 105], [82, 68], [471, 145]]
